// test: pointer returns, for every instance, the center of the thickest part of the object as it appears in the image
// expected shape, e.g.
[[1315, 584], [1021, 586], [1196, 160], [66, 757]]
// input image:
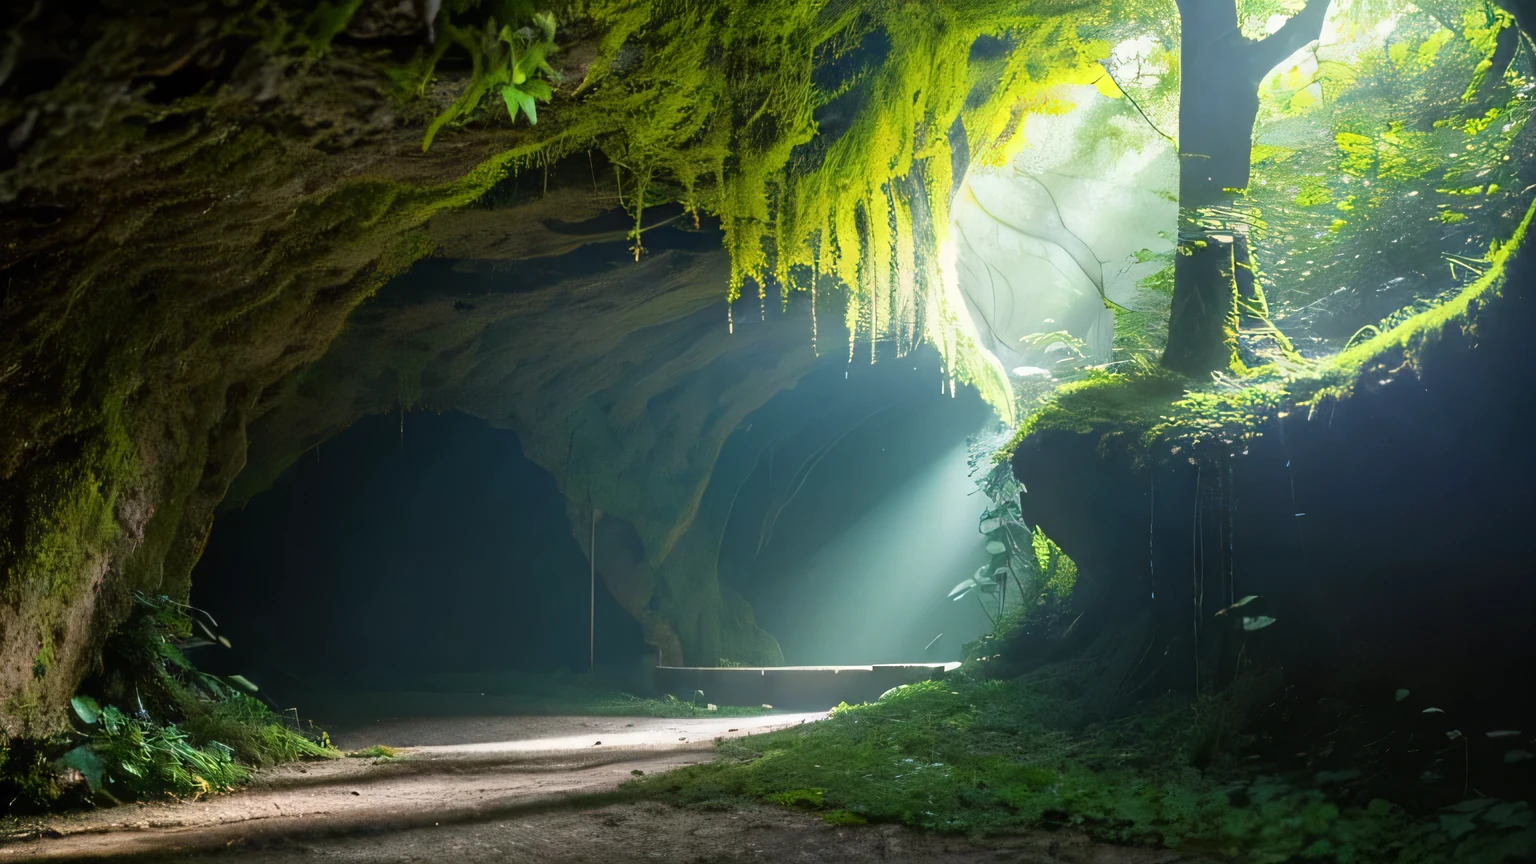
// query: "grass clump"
[[377, 751], [256, 735], [987, 757], [151, 724], [135, 757]]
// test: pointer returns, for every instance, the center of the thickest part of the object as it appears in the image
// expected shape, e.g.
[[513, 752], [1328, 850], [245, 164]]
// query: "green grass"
[[988, 757], [246, 726], [130, 757]]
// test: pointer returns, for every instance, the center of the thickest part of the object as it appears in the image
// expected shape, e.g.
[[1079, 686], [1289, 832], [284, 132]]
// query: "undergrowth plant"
[[1041, 575], [509, 63], [153, 724], [134, 757], [969, 756]]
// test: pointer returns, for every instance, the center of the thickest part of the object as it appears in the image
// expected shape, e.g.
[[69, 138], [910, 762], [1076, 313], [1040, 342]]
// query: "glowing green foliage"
[[1161, 417], [717, 108], [1314, 192], [1058, 573], [510, 63]]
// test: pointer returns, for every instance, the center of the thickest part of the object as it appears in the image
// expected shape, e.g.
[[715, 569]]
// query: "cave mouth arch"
[[410, 552], [424, 551]]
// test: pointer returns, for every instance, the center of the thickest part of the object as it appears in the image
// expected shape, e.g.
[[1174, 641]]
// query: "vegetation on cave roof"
[[1162, 414], [1391, 170]]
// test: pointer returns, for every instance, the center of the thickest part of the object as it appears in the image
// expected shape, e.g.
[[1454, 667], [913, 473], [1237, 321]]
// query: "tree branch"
[[1303, 28]]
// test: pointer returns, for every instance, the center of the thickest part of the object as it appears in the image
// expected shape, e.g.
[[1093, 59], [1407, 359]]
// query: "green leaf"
[[85, 760], [533, 61], [518, 100], [242, 682], [538, 90], [86, 709], [546, 24], [1509, 814], [1457, 825]]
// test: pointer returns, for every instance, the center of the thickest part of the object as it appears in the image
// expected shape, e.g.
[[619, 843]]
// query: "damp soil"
[[525, 789]]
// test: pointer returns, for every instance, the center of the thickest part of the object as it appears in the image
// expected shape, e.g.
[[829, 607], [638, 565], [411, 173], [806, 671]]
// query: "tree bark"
[[1218, 104]]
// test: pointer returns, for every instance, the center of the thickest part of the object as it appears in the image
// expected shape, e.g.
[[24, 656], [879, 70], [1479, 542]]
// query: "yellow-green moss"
[[718, 114]]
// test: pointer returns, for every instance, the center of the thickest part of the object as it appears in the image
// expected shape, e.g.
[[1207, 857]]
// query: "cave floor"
[[469, 789]]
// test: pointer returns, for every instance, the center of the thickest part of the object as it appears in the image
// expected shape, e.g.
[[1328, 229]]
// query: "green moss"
[[1110, 403], [843, 817], [28, 780], [805, 799], [716, 111], [1160, 415], [989, 757]]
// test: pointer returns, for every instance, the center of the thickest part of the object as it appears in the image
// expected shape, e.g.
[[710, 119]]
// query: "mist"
[[876, 593]]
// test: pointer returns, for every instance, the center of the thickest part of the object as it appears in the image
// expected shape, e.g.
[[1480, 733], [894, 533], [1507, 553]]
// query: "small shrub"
[[133, 757]]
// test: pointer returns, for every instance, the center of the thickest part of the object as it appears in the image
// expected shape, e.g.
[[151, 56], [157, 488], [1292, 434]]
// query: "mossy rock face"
[[171, 254], [193, 202]]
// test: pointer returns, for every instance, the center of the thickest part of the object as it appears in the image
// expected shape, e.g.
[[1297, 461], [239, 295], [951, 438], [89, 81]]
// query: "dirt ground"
[[482, 789]]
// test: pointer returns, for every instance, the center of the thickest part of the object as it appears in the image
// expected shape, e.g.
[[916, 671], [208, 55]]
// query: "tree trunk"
[[1218, 103]]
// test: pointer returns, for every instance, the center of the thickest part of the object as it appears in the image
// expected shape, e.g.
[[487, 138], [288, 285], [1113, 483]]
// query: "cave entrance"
[[858, 514], [416, 553]]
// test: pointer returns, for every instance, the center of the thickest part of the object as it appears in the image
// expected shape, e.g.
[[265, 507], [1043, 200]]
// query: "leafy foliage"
[[1396, 126], [137, 758], [1041, 574], [1160, 415], [509, 63], [970, 756], [181, 732]]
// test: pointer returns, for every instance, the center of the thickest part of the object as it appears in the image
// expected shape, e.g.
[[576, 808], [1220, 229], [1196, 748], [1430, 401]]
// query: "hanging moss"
[[717, 105]]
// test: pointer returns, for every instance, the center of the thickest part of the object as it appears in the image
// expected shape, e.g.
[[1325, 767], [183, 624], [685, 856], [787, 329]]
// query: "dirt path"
[[473, 789]]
